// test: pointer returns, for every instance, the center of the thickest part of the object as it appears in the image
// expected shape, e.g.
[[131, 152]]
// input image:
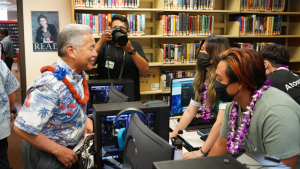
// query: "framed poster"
[[45, 29]]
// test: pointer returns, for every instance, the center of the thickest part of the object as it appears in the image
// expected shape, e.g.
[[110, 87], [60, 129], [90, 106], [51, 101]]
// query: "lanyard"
[[122, 65]]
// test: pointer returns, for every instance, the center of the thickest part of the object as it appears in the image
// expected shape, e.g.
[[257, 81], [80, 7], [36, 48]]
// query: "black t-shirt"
[[286, 81], [130, 71]]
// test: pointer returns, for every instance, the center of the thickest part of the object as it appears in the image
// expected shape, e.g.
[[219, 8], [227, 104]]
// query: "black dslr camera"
[[119, 35]]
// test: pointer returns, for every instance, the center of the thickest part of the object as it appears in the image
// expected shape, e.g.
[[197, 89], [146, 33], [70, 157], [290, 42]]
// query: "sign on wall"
[[45, 29]]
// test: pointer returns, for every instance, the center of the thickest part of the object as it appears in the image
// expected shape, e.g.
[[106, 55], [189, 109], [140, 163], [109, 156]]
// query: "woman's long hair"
[[215, 45]]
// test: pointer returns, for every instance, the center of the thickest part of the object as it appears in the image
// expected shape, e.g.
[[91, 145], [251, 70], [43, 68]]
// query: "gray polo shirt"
[[8, 47], [274, 127]]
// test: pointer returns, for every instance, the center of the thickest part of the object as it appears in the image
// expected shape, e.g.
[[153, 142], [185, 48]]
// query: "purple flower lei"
[[280, 67], [206, 110], [237, 137]]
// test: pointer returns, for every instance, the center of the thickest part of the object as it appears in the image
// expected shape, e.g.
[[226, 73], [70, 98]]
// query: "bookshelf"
[[224, 25], [12, 28]]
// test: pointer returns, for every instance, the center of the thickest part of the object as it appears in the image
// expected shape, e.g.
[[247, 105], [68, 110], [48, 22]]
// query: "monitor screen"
[[181, 93], [98, 95], [111, 156], [143, 146]]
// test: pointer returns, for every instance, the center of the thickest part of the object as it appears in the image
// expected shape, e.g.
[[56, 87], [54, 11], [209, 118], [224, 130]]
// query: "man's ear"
[[267, 64], [71, 51]]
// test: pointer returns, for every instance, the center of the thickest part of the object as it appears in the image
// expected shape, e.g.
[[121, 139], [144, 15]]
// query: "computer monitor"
[[181, 93], [99, 90], [107, 154], [143, 146]]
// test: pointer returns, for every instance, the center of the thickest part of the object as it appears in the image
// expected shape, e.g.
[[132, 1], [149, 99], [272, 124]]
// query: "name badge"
[[109, 64]]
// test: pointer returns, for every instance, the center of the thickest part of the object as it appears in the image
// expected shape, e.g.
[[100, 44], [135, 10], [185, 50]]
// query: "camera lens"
[[121, 39]]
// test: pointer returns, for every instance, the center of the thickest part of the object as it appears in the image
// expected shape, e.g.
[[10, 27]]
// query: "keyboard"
[[203, 132], [198, 123]]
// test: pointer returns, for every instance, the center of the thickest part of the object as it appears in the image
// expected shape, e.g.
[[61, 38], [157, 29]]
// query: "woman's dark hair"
[[215, 45], [120, 18], [4, 32], [42, 16], [276, 54], [245, 66]]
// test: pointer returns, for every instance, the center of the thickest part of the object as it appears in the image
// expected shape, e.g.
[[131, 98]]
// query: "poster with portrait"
[[45, 29]]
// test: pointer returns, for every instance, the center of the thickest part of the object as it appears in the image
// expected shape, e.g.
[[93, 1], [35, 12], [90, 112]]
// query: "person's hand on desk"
[[191, 154]]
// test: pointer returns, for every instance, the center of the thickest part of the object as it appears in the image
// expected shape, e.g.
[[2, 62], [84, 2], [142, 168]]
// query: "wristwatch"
[[13, 111], [133, 51]]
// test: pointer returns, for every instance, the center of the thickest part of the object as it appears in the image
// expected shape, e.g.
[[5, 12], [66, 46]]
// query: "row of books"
[[183, 24], [258, 46], [106, 3], [262, 25], [263, 5], [99, 23], [189, 4], [179, 53], [168, 75]]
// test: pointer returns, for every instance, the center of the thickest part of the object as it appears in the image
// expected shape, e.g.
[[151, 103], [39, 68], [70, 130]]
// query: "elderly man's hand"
[[88, 128], [66, 156]]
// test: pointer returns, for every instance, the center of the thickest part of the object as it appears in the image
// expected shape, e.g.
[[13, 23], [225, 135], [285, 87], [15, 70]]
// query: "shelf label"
[[155, 86]]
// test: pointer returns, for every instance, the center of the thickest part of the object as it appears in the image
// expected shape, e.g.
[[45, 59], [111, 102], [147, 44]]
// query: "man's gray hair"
[[72, 35]]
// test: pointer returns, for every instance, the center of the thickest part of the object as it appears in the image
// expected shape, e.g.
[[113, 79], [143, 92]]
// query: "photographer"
[[110, 55]]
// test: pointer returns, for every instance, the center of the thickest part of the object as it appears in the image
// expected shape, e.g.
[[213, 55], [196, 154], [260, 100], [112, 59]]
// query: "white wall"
[[34, 61], [12, 15]]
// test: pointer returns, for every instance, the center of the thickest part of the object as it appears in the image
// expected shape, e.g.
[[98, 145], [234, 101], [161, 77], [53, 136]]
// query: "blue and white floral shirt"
[[8, 85], [51, 109]]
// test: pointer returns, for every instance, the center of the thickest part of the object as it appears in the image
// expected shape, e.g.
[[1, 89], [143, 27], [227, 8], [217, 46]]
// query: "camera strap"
[[122, 65]]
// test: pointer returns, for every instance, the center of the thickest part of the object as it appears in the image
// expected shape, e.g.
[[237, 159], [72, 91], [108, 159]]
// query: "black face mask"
[[203, 60], [222, 92]]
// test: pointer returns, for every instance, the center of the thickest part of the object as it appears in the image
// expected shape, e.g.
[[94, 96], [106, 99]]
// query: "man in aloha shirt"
[[52, 120], [8, 85]]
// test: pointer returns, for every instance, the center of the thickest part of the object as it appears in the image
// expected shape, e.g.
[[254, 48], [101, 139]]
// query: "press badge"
[[109, 64]]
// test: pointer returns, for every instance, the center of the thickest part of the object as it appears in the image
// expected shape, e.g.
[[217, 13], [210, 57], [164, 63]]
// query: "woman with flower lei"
[[205, 96], [260, 118]]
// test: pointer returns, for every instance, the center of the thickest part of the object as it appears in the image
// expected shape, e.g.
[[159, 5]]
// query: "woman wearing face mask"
[[205, 95]]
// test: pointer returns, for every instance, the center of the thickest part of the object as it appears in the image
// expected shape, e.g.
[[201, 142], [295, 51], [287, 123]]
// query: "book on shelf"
[[168, 75], [259, 25], [189, 4], [106, 3], [179, 53], [258, 46], [183, 24], [263, 5], [99, 23]]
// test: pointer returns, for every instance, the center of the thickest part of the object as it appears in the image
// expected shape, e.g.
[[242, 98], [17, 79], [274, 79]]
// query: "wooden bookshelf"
[[223, 26]]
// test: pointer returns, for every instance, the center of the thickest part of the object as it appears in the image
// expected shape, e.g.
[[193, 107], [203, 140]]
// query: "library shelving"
[[224, 25], [12, 27]]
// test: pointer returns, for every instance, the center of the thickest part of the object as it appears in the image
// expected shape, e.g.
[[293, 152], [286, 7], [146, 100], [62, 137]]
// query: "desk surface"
[[190, 136]]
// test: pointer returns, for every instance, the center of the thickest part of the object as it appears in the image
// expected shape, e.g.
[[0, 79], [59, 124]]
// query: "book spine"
[[180, 23], [187, 24], [177, 25], [184, 23], [188, 48], [97, 25], [134, 25], [143, 24], [100, 24], [176, 54], [77, 18], [87, 17], [164, 52], [179, 59], [80, 18], [94, 24], [192, 53], [104, 22], [131, 24]]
